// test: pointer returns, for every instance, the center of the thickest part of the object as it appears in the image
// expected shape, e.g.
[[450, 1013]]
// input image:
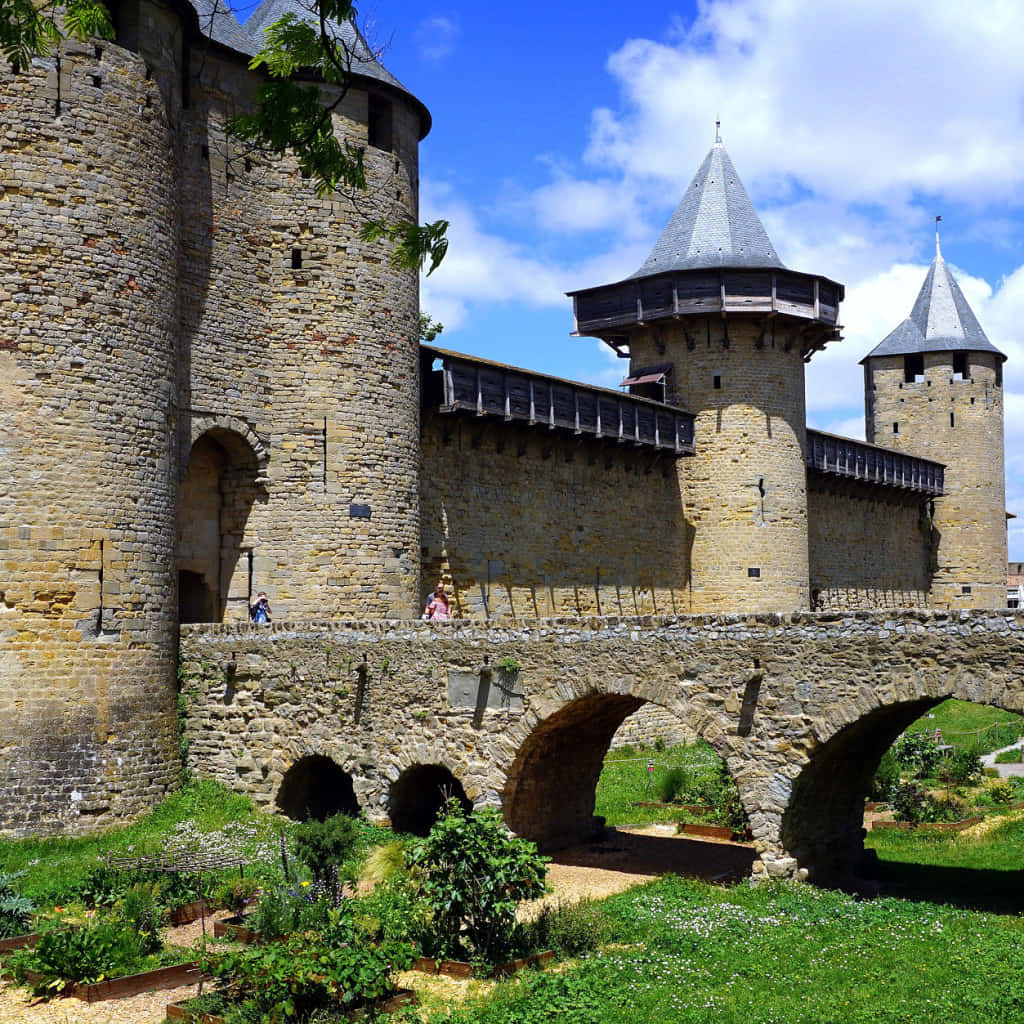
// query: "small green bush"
[[15, 910], [325, 846], [306, 906], [140, 910], [237, 895], [572, 928], [1009, 756], [918, 754], [1001, 792], [964, 767], [673, 785], [394, 912]]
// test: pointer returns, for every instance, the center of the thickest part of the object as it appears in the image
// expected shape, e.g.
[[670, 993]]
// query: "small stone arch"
[[549, 789], [316, 787], [418, 795], [223, 478]]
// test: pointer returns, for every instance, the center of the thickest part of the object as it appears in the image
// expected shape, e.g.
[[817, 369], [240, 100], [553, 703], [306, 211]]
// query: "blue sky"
[[565, 133]]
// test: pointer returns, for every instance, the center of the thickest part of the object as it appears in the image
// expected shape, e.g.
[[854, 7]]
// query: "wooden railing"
[[855, 460], [491, 389]]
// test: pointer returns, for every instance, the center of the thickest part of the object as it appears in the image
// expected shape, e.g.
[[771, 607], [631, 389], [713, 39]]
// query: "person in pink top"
[[437, 605]]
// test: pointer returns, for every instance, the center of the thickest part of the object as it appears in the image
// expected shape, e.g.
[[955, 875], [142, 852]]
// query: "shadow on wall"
[[315, 787], [418, 795]]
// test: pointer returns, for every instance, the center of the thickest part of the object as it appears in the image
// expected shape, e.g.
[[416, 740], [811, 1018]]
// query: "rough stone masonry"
[[800, 707]]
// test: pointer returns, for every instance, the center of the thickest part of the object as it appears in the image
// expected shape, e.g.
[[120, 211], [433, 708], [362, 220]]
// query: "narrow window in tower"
[[895, 428], [965, 589], [296, 259], [716, 381], [999, 374], [97, 81], [961, 369], [754, 572], [913, 369], [952, 419], [378, 127], [186, 76]]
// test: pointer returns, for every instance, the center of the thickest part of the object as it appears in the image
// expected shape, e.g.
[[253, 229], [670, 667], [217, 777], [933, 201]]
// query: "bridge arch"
[[316, 787], [416, 797]]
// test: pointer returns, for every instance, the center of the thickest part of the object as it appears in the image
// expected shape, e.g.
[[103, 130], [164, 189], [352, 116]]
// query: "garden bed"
[[235, 928], [189, 912], [129, 985], [689, 808], [18, 942], [403, 997], [929, 826], [462, 969], [711, 832]]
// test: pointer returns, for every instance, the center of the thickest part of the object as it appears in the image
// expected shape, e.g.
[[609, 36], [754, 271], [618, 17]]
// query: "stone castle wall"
[[745, 490], [524, 524], [958, 422], [89, 213], [800, 707], [870, 547], [152, 298]]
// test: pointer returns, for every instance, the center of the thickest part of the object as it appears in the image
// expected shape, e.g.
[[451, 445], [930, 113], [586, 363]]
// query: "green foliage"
[[429, 327], [474, 874], [975, 727], [508, 664], [237, 894], [102, 949], [1009, 756], [295, 979], [886, 778], [28, 29], [324, 846], [141, 911], [285, 909], [964, 767], [1001, 792], [15, 909], [911, 803], [918, 754], [394, 912], [572, 928], [675, 784]]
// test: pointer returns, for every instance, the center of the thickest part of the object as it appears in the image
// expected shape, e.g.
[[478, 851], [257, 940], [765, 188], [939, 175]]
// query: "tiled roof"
[[216, 22], [714, 225], [941, 320]]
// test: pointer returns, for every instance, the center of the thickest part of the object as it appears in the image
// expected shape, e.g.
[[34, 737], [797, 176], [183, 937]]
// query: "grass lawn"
[[969, 725], [776, 954]]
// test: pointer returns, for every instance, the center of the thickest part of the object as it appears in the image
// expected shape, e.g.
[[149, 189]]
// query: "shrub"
[[1001, 792], [1009, 756], [15, 910], [572, 928], [917, 753], [303, 907], [886, 778], [673, 785], [140, 911], [474, 875], [394, 912], [237, 895], [325, 845], [964, 767], [384, 862]]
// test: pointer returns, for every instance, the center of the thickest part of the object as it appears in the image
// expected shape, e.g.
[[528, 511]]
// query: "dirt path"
[[625, 859]]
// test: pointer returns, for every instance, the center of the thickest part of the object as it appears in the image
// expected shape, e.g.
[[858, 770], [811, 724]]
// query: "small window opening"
[[304, 172], [961, 370], [205, 151], [248, 164], [149, 73], [999, 374], [952, 419], [716, 381], [97, 81], [965, 589], [754, 572], [895, 428], [378, 129], [98, 52], [913, 369], [186, 77], [296, 259], [972, 399]]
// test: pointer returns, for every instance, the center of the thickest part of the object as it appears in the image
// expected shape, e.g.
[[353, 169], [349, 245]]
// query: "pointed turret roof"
[[941, 320], [714, 225]]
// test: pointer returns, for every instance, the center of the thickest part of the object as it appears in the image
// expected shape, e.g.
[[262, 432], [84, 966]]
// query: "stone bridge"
[[381, 715]]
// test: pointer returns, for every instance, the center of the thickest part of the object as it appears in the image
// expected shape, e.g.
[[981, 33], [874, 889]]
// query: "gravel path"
[[626, 858]]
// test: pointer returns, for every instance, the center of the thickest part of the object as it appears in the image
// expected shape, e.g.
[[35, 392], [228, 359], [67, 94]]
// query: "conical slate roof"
[[714, 225], [941, 320]]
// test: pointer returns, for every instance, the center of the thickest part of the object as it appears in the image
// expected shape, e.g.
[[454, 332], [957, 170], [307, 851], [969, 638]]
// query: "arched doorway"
[[216, 497], [549, 793], [418, 795], [316, 787]]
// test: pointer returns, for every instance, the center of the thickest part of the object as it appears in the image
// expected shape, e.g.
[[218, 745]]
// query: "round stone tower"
[[714, 323], [934, 388], [88, 340]]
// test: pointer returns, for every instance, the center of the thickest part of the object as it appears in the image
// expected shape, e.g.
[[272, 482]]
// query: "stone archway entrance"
[[216, 497], [316, 787], [418, 795]]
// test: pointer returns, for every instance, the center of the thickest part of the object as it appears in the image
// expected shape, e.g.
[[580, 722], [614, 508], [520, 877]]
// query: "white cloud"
[[436, 37]]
